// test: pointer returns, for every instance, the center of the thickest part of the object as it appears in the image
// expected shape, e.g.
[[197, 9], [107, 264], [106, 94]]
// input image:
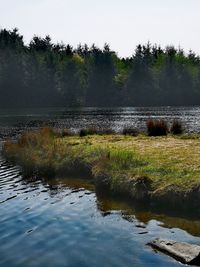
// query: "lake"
[[15, 121], [64, 221]]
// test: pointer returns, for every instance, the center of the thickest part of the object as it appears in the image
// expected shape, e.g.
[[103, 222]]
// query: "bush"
[[66, 132], [89, 131], [130, 131], [176, 127], [157, 127], [36, 138]]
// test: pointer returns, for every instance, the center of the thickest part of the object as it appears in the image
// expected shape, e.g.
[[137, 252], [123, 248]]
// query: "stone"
[[184, 252]]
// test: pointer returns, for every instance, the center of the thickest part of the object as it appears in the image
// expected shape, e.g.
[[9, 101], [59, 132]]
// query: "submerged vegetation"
[[159, 169], [51, 75]]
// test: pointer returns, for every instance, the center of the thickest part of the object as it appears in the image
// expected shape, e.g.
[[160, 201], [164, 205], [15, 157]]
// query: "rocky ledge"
[[183, 252]]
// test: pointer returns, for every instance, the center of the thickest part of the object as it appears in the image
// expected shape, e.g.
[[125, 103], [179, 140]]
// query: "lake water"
[[15, 121], [64, 221]]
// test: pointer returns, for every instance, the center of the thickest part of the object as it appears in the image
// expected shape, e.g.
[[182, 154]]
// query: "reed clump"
[[176, 128], [88, 131], [33, 150], [95, 131], [130, 131], [157, 127]]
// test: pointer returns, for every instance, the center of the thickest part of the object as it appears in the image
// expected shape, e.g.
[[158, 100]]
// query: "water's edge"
[[63, 221]]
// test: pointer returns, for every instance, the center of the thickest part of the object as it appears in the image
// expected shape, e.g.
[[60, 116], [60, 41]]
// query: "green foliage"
[[47, 75], [161, 166]]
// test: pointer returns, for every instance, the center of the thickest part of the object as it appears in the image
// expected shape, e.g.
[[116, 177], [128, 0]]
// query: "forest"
[[44, 74]]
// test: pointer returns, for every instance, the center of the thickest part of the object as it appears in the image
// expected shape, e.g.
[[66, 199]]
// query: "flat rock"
[[183, 252]]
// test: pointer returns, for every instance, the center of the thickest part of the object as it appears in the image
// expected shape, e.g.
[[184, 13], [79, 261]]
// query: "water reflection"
[[64, 222], [131, 211], [58, 188]]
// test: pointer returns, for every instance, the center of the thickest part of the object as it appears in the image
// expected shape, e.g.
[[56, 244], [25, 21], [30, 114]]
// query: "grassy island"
[[164, 170]]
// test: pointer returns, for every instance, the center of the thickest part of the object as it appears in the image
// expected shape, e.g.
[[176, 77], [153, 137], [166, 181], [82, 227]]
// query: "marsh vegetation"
[[159, 169]]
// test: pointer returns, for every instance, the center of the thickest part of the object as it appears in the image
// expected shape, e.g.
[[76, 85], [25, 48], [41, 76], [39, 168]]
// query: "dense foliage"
[[46, 74]]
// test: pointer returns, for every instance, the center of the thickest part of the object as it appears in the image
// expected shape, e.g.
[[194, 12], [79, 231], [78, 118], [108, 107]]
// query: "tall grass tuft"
[[130, 131], [176, 127], [88, 131], [157, 127], [33, 148], [39, 138]]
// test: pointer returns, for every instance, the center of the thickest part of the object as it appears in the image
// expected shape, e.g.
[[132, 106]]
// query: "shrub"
[[157, 127], [176, 127], [47, 132], [66, 132], [130, 131], [41, 137], [93, 130], [88, 131]]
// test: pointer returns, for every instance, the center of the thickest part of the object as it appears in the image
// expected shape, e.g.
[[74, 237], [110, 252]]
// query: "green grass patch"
[[159, 164]]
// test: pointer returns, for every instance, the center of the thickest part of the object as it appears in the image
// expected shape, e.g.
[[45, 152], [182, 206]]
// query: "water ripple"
[[62, 222]]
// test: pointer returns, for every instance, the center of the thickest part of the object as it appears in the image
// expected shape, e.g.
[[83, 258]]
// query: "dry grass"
[[170, 163]]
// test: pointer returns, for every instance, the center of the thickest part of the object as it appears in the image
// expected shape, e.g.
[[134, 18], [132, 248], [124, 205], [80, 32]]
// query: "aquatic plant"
[[88, 131], [176, 127], [130, 131], [157, 127]]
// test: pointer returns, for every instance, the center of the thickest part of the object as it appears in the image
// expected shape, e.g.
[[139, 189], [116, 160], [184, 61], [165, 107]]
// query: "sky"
[[121, 23]]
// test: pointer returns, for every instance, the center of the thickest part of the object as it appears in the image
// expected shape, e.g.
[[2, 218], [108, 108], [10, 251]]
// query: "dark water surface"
[[63, 221], [15, 121]]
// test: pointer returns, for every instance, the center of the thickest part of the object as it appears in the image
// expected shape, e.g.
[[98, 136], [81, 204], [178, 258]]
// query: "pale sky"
[[121, 23]]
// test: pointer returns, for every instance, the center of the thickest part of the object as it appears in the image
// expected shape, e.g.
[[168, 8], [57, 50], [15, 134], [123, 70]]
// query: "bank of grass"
[[159, 169]]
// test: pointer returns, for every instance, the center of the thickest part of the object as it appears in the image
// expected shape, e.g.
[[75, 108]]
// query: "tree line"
[[44, 74]]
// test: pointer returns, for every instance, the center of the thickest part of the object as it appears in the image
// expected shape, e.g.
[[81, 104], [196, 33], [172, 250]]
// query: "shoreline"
[[161, 171]]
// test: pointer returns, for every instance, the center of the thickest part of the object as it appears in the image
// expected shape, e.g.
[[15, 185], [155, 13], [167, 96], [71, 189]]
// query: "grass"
[[141, 167], [94, 131]]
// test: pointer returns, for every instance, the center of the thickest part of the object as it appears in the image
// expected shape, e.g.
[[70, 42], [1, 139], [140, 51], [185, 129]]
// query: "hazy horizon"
[[121, 24]]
